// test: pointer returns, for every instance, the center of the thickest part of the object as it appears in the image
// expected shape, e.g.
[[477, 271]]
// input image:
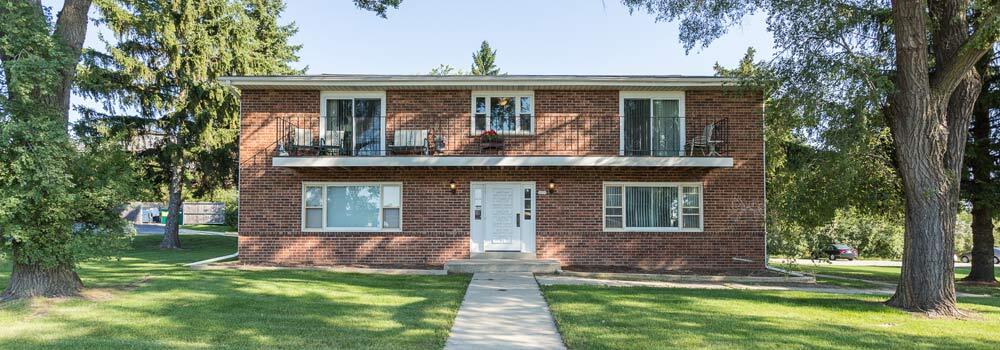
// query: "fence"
[[193, 212]]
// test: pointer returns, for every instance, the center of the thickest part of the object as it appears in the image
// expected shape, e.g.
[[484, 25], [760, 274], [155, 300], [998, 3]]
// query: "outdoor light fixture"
[[552, 186], [452, 186]]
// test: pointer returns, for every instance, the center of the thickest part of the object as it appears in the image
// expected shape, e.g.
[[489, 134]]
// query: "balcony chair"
[[300, 140], [409, 141], [332, 142], [706, 142]]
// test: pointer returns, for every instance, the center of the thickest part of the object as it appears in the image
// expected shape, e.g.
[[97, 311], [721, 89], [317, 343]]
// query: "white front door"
[[502, 217]]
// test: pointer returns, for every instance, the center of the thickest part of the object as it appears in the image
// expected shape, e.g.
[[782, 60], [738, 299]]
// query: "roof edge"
[[320, 81]]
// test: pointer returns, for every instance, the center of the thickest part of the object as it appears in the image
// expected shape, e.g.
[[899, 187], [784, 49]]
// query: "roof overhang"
[[505, 82], [519, 161]]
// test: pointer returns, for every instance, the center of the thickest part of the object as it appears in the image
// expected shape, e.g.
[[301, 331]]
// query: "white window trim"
[[680, 207], [517, 108], [302, 205], [651, 95], [352, 95]]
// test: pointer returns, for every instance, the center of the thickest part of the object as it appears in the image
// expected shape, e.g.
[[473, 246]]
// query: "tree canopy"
[[483, 61]]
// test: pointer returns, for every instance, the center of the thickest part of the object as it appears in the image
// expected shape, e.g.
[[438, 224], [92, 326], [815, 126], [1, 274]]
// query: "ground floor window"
[[652, 206], [351, 206]]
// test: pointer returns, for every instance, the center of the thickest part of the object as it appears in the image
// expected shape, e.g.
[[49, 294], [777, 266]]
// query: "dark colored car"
[[967, 257], [837, 251]]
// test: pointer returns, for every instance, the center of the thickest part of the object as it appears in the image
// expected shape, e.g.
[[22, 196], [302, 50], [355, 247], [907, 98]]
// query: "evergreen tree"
[[160, 71], [483, 61], [981, 187]]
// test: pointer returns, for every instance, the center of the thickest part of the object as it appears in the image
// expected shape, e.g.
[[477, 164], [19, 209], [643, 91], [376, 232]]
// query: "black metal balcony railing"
[[517, 136]]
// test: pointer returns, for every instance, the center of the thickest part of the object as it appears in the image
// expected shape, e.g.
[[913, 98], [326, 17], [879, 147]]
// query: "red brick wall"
[[435, 221]]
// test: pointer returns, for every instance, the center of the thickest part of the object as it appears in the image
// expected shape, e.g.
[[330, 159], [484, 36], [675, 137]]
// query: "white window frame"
[[381, 208], [651, 95], [517, 95], [680, 207], [354, 95]]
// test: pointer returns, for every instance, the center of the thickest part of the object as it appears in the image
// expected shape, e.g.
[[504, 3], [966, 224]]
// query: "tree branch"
[[951, 73]]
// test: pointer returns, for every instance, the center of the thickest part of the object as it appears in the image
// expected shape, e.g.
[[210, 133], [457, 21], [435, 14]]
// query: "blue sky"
[[532, 37]]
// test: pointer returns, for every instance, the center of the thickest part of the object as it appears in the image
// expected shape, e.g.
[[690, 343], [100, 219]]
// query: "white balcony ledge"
[[482, 161]]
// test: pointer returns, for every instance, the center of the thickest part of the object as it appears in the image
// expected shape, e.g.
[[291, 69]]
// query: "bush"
[[231, 214]]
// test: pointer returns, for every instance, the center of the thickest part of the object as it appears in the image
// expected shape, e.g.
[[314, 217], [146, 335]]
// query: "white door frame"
[[477, 234]]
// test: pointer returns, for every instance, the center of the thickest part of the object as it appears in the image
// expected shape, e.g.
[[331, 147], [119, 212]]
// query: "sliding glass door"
[[358, 121], [652, 127]]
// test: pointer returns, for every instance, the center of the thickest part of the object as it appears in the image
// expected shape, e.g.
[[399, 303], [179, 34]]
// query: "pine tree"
[[483, 61], [160, 73]]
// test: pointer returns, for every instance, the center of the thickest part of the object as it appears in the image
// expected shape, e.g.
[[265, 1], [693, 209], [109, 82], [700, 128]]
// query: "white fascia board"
[[340, 82], [478, 161]]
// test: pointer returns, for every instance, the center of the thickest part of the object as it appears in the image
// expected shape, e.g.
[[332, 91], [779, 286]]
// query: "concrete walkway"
[[504, 311]]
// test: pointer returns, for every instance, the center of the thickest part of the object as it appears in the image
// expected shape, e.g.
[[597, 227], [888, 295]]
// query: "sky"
[[531, 37]]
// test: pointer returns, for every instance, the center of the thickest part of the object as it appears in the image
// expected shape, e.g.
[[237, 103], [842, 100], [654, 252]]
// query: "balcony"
[[522, 140]]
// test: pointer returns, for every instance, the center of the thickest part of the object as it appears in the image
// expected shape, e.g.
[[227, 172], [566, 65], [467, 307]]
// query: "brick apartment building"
[[595, 172]]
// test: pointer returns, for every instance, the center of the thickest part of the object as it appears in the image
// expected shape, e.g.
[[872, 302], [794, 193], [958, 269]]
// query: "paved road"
[[147, 229]]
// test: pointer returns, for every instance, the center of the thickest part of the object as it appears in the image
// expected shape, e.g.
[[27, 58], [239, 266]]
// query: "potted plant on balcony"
[[489, 139]]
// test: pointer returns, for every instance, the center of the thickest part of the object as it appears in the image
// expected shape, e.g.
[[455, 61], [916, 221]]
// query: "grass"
[[148, 301], [594, 317], [210, 227], [887, 274]]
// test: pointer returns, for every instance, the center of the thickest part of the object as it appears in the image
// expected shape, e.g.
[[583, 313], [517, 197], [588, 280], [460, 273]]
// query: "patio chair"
[[300, 140], [408, 141], [332, 142], [705, 142]]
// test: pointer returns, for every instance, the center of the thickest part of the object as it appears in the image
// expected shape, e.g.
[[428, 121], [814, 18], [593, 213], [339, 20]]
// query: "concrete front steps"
[[489, 264]]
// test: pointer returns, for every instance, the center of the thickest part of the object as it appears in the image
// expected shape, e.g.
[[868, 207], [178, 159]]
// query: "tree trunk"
[[71, 30], [921, 134], [171, 237], [33, 280], [981, 164]]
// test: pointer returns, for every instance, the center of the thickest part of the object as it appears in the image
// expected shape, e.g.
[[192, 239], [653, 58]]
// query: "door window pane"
[[352, 206], [666, 135], [368, 126], [636, 124]]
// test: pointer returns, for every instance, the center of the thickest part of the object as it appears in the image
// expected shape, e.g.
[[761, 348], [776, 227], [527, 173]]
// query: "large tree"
[[916, 60], [59, 198]]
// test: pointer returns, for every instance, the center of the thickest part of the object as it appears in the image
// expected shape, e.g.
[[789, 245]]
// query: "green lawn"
[[210, 227], [592, 317], [148, 301], [881, 274]]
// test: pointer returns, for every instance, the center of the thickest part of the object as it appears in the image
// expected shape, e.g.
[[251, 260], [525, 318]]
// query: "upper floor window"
[[652, 124], [503, 112], [353, 123]]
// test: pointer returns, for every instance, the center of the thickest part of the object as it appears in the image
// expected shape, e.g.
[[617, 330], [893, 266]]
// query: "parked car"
[[967, 257], [837, 251]]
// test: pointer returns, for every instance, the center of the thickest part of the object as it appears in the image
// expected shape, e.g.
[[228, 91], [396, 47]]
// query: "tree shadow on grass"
[[182, 308], [619, 318]]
